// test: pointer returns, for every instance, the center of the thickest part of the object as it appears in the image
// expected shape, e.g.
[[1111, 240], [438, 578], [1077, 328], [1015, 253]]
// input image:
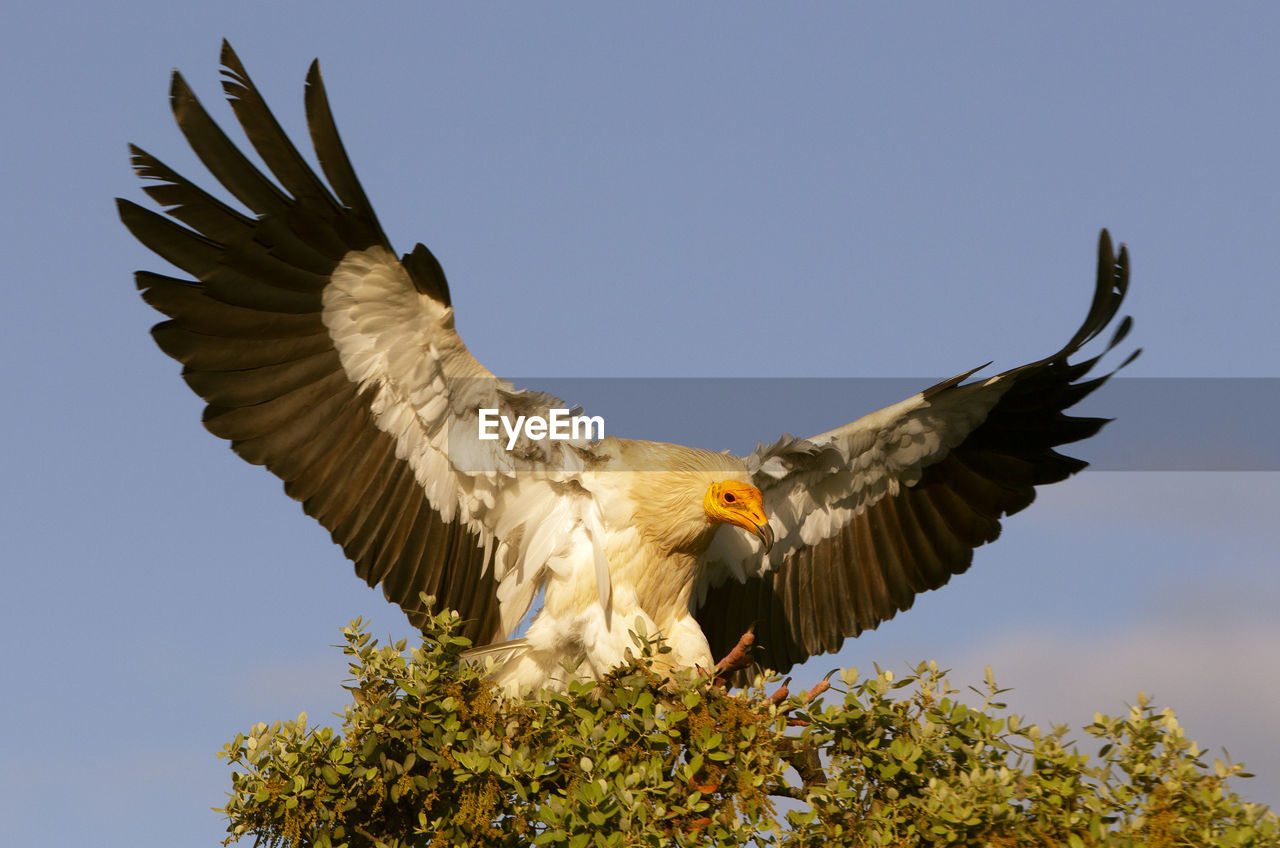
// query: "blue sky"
[[656, 191]]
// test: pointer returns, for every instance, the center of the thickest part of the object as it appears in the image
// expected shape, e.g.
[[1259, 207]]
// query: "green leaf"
[[650, 757]]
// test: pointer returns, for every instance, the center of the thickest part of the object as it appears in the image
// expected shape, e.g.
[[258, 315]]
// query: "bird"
[[336, 363]]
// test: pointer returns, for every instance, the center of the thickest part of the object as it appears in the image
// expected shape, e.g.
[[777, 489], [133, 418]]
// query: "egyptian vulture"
[[334, 363]]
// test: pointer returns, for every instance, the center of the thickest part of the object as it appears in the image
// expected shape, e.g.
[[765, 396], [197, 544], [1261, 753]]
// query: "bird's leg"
[[737, 659], [740, 658]]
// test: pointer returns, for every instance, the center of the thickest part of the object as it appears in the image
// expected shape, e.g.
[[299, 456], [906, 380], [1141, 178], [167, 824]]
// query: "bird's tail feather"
[[517, 667], [497, 654]]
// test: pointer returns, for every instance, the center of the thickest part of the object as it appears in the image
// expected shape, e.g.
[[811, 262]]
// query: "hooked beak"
[[765, 533]]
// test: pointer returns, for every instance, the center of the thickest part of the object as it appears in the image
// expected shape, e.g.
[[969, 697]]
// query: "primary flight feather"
[[334, 363]]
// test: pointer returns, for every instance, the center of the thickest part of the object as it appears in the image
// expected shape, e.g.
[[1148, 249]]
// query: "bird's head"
[[739, 504]]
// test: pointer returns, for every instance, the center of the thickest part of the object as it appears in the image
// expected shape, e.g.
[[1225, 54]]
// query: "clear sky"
[[655, 190]]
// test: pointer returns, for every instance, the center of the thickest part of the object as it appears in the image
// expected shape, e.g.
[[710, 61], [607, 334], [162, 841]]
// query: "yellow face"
[[730, 502]]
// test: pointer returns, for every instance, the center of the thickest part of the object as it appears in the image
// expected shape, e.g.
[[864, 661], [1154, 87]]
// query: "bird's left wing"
[[336, 365], [871, 514]]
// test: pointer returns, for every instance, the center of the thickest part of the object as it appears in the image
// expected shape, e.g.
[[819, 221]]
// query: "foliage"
[[430, 754]]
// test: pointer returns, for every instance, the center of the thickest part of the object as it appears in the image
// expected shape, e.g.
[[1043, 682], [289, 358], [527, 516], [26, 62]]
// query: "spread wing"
[[893, 504], [336, 365]]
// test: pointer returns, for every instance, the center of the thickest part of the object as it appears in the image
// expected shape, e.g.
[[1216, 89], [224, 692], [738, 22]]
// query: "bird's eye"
[[729, 498]]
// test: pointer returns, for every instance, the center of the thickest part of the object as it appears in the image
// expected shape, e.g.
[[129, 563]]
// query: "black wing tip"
[[1113, 286], [315, 97], [234, 76], [1107, 249], [314, 85], [427, 273], [230, 60], [147, 167], [179, 89], [1122, 330], [132, 215], [1108, 296], [135, 217]]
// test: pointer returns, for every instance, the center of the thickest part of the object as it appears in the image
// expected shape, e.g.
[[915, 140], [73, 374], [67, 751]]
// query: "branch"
[[803, 757], [785, 790]]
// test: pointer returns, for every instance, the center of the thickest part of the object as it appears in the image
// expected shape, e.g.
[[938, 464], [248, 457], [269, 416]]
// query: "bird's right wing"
[[336, 365]]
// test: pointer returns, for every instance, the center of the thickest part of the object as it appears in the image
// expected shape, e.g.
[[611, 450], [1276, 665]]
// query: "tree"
[[429, 754]]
